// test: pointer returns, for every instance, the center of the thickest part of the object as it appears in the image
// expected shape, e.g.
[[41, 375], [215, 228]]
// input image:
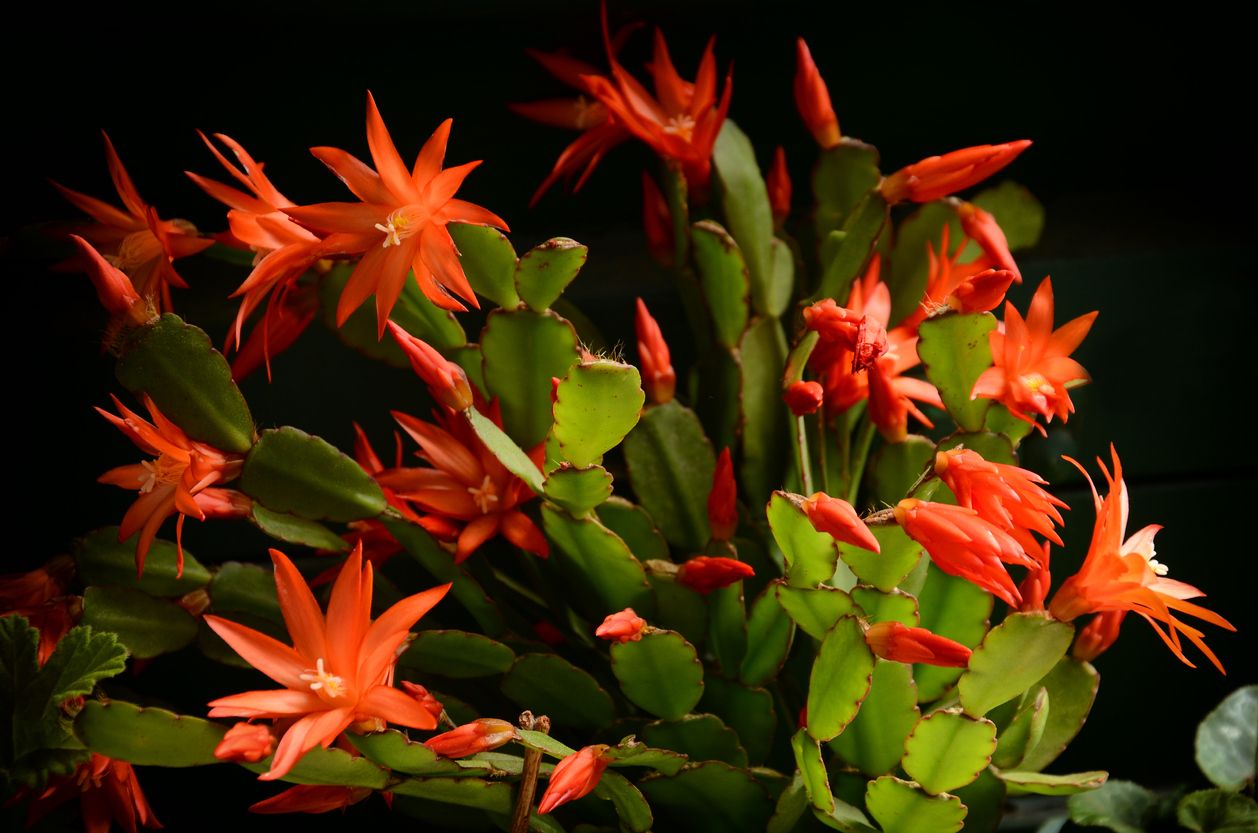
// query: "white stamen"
[[150, 482], [391, 234], [1156, 566], [321, 679], [682, 125], [486, 496]]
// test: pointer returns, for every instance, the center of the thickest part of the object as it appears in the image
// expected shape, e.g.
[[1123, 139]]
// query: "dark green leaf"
[[1227, 738], [1019, 213], [147, 737], [504, 448], [790, 807], [522, 350], [548, 684], [605, 574], [1120, 806], [629, 752], [709, 798], [488, 261], [671, 464], [635, 526], [852, 247], [291, 471], [723, 276], [102, 559], [748, 711], [456, 654], [765, 416], [294, 530], [440, 564], [596, 405], [895, 467], [1025, 730], [545, 271], [148, 627], [717, 381], [245, 588], [490, 796], [745, 204], [842, 176], [769, 635], [631, 806], [1218, 811], [392, 749], [701, 737], [189, 381], [907, 268]]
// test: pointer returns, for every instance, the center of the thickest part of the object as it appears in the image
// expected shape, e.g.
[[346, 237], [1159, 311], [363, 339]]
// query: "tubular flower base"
[[171, 484], [723, 499], [961, 543], [938, 176], [114, 289], [446, 381], [400, 225], [838, 519], [466, 485], [337, 674], [134, 238], [574, 777], [309, 798], [625, 626], [657, 222], [478, 736], [964, 287], [659, 380], [424, 697], [248, 742], [1098, 635], [108, 792], [894, 641], [705, 573], [812, 99], [982, 228], [1032, 371], [1120, 575]]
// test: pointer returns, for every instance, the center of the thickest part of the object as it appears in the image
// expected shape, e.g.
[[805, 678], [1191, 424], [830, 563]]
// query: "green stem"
[[800, 429], [821, 451], [843, 425], [864, 440]]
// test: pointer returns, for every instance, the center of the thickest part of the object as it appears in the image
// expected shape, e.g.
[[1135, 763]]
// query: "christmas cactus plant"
[[802, 582]]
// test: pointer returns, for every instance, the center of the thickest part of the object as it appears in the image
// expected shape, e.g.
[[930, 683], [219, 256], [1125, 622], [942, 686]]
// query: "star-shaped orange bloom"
[[1032, 371], [400, 225], [178, 481], [133, 238], [338, 672], [1125, 575]]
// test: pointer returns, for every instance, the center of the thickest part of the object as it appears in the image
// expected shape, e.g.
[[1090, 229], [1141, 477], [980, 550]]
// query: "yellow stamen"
[[486, 496], [323, 680], [683, 126], [164, 469], [395, 228]]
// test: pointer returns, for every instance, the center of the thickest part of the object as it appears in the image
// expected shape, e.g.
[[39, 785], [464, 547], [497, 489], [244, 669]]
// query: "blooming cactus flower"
[[338, 671], [247, 742], [1125, 575], [471, 738], [108, 792], [574, 777], [981, 227], [625, 626], [894, 641], [938, 176], [446, 381], [114, 289]]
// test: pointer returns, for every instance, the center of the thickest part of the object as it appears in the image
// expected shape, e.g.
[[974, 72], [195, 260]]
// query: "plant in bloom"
[[176, 482], [939, 176], [812, 99], [108, 792], [466, 485], [838, 519], [723, 499], [574, 777], [400, 224], [659, 380], [480, 735], [339, 669], [895, 641], [1120, 576], [248, 742], [1032, 372], [625, 626], [134, 238], [705, 573]]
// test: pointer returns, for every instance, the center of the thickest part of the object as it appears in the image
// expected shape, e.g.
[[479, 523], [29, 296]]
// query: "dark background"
[[1140, 159]]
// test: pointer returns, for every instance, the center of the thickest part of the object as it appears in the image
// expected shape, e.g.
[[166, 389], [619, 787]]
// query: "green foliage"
[[578, 490], [146, 626], [765, 416], [1227, 740], [723, 277], [522, 350], [188, 380], [841, 677], [598, 564], [245, 588], [955, 350], [701, 737], [102, 559], [957, 609], [291, 471], [1218, 811], [1039, 783], [458, 654], [842, 176], [745, 205], [711, 797], [635, 526], [1019, 213], [897, 558], [1071, 688], [748, 711], [874, 741], [393, 750], [671, 464], [900, 807], [1014, 655], [811, 556], [851, 247], [549, 684], [660, 673], [488, 261], [545, 271], [1120, 806], [292, 529], [511, 456], [769, 635], [814, 609], [895, 467], [812, 768], [596, 405], [147, 736]]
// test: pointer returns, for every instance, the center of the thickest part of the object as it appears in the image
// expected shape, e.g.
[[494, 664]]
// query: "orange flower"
[[705, 573], [964, 287], [480, 735], [778, 182], [961, 543], [108, 792], [894, 641], [804, 397], [466, 485], [446, 381], [838, 519], [659, 380], [982, 228], [172, 483], [625, 626], [310, 798], [574, 777], [39, 595], [1034, 588], [938, 176], [285, 251], [1124, 575], [340, 669], [723, 499], [657, 222], [134, 238], [812, 99], [1008, 496], [1098, 636], [425, 698], [400, 223], [114, 289], [1032, 370], [248, 742]]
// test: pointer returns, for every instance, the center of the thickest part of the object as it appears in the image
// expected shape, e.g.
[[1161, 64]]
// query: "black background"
[[1140, 159]]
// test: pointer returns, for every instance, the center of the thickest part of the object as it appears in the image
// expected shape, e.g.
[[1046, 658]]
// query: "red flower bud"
[[705, 573], [114, 289], [813, 99], [657, 222], [982, 228], [1034, 588], [446, 381], [245, 743], [658, 378], [478, 736], [779, 184], [723, 499], [1098, 635], [938, 176], [574, 777], [548, 633], [223, 503], [431, 704], [983, 292], [894, 641], [837, 518], [625, 626], [803, 397]]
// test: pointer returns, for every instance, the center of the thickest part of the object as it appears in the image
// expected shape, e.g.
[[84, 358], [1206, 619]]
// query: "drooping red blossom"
[[400, 225], [1098, 635], [425, 698], [40, 596], [812, 99], [894, 641], [624, 626], [246, 742], [962, 287], [659, 380], [705, 573], [171, 484], [936, 177], [723, 499], [838, 519], [108, 793], [446, 381], [657, 222], [574, 777], [311, 798], [114, 289], [134, 238], [804, 397], [981, 227], [480, 735]]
